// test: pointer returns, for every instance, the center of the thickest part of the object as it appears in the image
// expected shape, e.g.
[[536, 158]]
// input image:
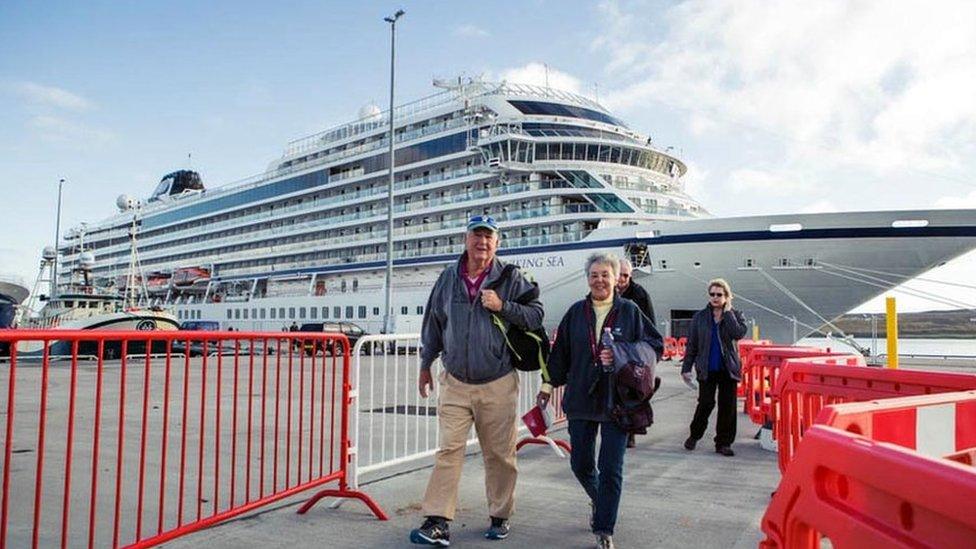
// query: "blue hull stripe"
[[743, 236]]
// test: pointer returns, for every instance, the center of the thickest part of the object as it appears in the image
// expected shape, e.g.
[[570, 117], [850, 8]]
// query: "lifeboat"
[[188, 276]]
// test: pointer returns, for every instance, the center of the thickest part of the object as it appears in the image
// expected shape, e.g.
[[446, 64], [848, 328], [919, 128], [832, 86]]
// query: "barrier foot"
[[343, 494], [557, 445]]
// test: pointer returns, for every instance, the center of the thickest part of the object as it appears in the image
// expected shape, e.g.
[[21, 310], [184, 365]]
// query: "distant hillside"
[[959, 323]]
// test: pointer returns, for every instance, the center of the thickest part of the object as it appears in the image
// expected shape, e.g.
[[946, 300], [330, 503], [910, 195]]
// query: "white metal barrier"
[[392, 424]]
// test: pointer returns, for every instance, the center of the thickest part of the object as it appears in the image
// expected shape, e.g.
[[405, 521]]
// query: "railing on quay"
[[135, 452], [887, 473], [392, 426], [807, 385]]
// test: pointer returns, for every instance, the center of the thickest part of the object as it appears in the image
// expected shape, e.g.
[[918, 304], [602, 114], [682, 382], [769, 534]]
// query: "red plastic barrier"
[[670, 348], [862, 490], [182, 431], [679, 353], [744, 347], [807, 385], [765, 363]]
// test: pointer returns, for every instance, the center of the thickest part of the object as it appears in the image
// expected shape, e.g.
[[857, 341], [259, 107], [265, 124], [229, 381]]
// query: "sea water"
[[906, 346]]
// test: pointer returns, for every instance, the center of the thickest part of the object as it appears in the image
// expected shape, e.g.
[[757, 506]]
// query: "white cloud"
[[57, 130], [470, 31], [536, 73], [954, 202], [50, 96], [694, 179], [748, 180], [820, 206], [869, 84]]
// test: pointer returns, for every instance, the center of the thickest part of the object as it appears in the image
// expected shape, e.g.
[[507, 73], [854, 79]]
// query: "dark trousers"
[[722, 383], [603, 485]]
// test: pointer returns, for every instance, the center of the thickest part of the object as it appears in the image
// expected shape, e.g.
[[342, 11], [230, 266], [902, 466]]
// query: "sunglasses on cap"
[[482, 221]]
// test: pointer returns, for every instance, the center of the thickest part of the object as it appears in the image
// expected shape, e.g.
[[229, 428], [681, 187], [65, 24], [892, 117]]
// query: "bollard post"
[[891, 333]]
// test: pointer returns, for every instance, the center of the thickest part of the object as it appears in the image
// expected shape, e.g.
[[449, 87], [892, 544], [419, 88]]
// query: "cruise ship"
[[305, 241]]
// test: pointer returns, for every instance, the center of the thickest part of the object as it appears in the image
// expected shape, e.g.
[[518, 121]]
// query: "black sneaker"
[[434, 531], [724, 450], [690, 443], [498, 530]]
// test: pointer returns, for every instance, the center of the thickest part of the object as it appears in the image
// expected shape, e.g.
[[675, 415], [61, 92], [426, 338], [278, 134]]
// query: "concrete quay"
[[672, 497]]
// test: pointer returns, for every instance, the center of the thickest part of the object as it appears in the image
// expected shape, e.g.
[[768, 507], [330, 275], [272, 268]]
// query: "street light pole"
[[57, 239], [388, 317]]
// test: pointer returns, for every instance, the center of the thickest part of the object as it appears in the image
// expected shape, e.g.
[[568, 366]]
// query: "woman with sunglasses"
[[713, 352]]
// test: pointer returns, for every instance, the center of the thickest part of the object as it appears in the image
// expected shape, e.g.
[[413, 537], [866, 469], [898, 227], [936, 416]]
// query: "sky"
[[776, 107]]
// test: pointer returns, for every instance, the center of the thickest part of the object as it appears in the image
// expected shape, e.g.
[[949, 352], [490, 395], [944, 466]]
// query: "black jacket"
[[731, 328], [636, 293], [572, 362]]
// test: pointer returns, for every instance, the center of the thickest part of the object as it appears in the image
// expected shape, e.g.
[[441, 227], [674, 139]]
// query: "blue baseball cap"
[[482, 221]]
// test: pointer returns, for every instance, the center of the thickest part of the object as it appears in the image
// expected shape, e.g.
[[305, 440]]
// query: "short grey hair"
[[603, 258], [624, 262]]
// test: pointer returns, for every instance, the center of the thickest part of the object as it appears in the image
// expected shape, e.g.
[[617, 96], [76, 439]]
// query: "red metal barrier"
[[862, 485], [744, 347], [765, 363], [139, 450], [807, 385]]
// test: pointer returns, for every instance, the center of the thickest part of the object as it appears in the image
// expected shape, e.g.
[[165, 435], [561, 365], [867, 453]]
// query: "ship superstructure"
[[306, 239]]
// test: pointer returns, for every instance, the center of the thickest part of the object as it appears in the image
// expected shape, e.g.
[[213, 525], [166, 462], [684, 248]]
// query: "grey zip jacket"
[[471, 347]]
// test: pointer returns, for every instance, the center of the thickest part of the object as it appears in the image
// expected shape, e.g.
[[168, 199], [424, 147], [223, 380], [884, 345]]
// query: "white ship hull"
[[819, 281]]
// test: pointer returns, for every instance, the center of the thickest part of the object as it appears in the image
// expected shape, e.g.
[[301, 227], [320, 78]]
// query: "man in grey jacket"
[[477, 383]]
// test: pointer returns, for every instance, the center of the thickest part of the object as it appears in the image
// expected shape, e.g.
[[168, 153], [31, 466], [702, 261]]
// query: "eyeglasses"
[[713, 294]]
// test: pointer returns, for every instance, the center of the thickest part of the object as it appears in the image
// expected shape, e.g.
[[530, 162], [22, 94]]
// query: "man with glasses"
[[628, 289], [712, 350], [477, 383]]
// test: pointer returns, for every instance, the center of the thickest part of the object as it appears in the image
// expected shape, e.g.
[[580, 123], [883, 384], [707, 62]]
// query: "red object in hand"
[[537, 420]]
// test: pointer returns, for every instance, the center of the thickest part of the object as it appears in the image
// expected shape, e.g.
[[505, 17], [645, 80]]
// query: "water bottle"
[[606, 342]]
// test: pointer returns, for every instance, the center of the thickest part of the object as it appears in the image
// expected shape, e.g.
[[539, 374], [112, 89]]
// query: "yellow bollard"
[[891, 333], [755, 332]]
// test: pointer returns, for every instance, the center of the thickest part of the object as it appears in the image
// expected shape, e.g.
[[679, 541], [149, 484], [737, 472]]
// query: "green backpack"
[[530, 348]]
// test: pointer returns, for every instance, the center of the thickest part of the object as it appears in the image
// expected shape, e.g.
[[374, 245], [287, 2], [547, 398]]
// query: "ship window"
[[69, 303], [420, 309], [349, 311], [291, 312], [362, 311], [403, 310], [245, 314], [301, 312], [337, 312], [750, 263], [313, 312], [274, 313], [237, 314], [325, 312], [263, 313], [281, 312], [376, 311]]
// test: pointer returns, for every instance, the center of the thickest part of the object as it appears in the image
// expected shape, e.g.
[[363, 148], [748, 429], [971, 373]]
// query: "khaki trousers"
[[491, 407]]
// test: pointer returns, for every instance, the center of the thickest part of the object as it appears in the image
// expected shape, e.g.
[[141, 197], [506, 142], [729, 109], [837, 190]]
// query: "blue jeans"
[[602, 486]]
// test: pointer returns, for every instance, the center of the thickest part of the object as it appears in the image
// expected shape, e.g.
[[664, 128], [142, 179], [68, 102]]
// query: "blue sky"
[[786, 107]]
